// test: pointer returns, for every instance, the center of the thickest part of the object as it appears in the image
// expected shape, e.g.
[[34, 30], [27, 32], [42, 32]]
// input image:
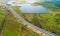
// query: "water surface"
[[28, 8]]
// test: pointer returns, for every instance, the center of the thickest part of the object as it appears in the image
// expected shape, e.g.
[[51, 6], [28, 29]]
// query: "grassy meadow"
[[15, 28], [48, 21], [2, 16]]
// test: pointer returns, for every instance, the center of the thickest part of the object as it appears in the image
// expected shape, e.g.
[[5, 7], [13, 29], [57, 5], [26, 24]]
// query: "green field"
[[15, 28], [2, 16], [48, 21]]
